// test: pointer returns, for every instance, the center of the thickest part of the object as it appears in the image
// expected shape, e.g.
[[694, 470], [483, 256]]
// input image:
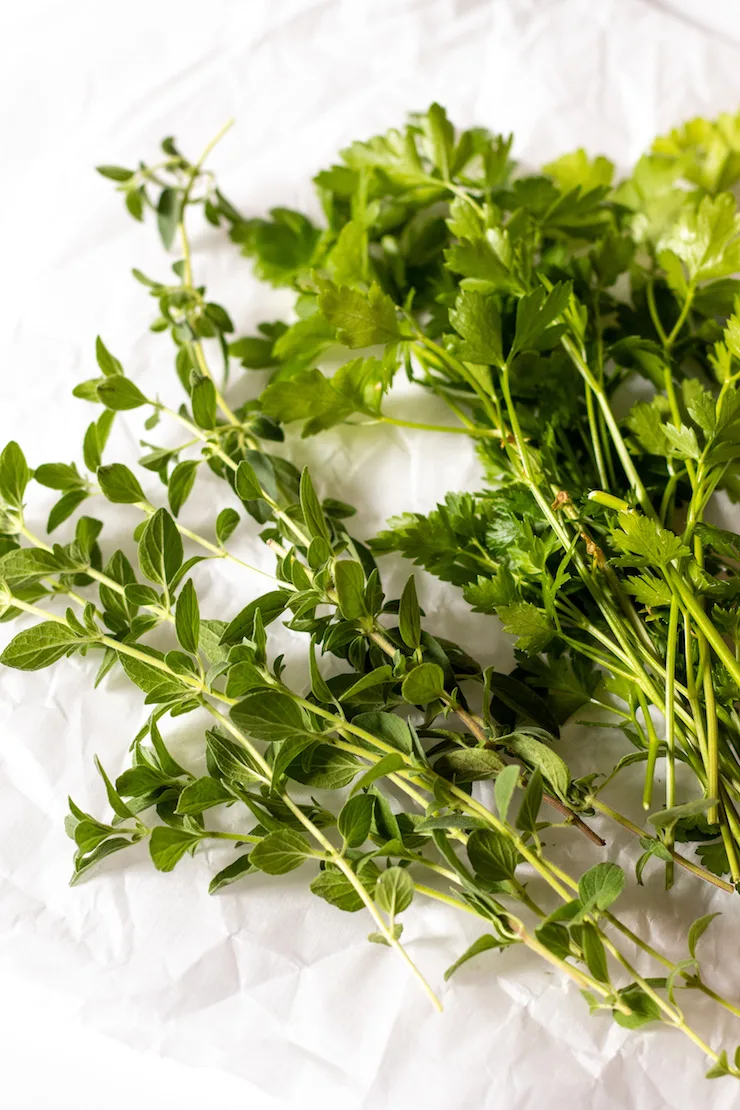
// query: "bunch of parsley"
[[528, 302]]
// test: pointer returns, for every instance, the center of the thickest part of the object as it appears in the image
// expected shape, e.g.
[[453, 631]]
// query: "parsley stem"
[[696, 610], [670, 721], [596, 439], [474, 432], [653, 746], [624, 456], [653, 308]]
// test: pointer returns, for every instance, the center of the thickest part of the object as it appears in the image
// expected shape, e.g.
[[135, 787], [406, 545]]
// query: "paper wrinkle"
[[264, 980]]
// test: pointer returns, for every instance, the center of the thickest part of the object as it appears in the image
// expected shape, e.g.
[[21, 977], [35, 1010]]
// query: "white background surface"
[[111, 991]]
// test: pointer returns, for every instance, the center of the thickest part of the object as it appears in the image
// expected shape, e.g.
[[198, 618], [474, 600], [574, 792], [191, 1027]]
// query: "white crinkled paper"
[[278, 995]]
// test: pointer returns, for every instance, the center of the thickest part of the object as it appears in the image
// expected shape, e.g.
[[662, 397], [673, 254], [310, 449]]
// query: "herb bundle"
[[524, 303]]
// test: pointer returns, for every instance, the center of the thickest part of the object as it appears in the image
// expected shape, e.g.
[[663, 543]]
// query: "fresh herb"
[[468, 275]]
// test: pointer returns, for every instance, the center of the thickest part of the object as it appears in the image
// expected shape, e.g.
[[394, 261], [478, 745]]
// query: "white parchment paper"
[[274, 996]]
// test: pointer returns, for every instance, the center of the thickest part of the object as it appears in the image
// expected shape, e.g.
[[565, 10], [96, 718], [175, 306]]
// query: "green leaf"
[[347, 260], [160, 549], [483, 944], [704, 238], [527, 817], [231, 759], [60, 476], [115, 800], [387, 727], [512, 699], [247, 484], [380, 938], [683, 441], [326, 768], [385, 766], [535, 316], [349, 579], [241, 866], [442, 134], [578, 170], [270, 606], [469, 764], [181, 483], [355, 818], [226, 522], [644, 1008], [555, 938], [95, 440], [271, 716], [360, 319], [409, 615], [282, 247], [394, 891], [167, 846], [287, 751], [448, 821], [655, 593], [594, 952], [645, 543], [14, 475], [537, 754], [203, 401], [492, 855], [530, 624], [120, 394], [39, 646], [484, 263], [477, 319], [423, 684], [253, 351], [168, 216], [109, 365], [720, 1068], [697, 930], [64, 508], [115, 173], [25, 564], [378, 677], [666, 818], [119, 485], [201, 795], [503, 789], [601, 885], [335, 888], [280, 852], [319, 688], [307, 396], [157, 684], [107, 848], [187, 618], [313, 514]]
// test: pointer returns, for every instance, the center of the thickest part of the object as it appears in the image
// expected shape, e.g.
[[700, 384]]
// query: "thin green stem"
[[670, 722], [484, 433], [336, 858], [621, 447], [653, 746], [596, 440], [636, 830]]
